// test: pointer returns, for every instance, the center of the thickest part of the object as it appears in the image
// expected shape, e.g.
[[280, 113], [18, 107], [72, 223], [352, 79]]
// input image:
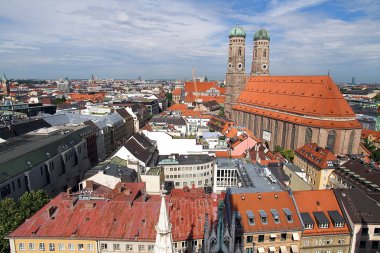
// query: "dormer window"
[[276, 216], [263, 216], [322, 220], [288, 214], [251, 217], [307, 220], [336, 218]]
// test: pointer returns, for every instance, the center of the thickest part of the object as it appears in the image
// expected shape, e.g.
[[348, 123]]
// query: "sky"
[[165, 39]]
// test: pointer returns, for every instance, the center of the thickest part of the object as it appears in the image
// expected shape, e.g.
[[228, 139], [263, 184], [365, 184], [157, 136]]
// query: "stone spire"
[[164, 242]]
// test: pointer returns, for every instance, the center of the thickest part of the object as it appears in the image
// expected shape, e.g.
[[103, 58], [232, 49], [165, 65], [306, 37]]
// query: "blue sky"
[[165, 39]]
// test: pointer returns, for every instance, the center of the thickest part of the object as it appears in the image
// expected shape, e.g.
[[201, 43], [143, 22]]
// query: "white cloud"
[[166, 38]]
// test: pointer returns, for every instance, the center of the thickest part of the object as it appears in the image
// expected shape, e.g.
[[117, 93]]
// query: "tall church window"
[[239, 53], [265, 53], [255, 53], [261, 127], [350, 142], [292, 141], [308, 135], [275, 132], [331, 140], [255, 127], [283, 135]]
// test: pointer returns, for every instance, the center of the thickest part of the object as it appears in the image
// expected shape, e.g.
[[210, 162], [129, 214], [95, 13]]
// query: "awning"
[[296, 237], [272, 249], [283, 249], [260, 250], [294, 248], [273, 235]]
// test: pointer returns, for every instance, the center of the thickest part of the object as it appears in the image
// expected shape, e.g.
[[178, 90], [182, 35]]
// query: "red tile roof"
[[266, 201], [374, 135], [178, 107], [200, 86], [177, 91], [126, 213], [291, 98], [319, 201], [317, 155]]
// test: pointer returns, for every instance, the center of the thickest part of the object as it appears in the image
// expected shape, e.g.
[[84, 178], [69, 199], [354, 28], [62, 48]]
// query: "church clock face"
[[240, 66], [230, 65], [265, 66]]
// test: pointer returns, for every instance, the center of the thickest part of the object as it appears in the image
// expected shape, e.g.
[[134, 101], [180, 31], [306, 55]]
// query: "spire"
[[164, 242]]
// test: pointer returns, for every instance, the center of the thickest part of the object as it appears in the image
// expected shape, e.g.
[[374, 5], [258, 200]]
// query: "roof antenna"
[[328, 71]]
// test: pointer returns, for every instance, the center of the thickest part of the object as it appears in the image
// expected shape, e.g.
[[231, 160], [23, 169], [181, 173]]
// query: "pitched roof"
[[263, 203], [141, 147], [177, 91], [200, 86], [126, 213], [320, 157], [359, 207], [296, 99], [319, 201]]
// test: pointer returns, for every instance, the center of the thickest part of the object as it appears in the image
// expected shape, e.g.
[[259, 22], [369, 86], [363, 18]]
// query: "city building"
[[318, 163], [92, 221], [356, 174], [52, 160], [187, 170], [325, 228], [266, 221], [298, 109], [363, 215]]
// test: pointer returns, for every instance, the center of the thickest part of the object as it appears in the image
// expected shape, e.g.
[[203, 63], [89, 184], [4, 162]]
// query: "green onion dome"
[[261, 34], [237, 31]]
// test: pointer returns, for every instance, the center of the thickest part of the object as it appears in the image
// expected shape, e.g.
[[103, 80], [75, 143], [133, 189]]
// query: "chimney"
[[69, 191], [90, 184]]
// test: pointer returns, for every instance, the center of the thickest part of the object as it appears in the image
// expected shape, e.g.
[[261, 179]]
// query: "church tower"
[[235, 75], [260, 62], [5, 85], [164, 241]]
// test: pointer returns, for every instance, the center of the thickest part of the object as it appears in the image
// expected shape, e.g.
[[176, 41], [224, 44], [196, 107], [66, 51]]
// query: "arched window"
[[308, 135], [230, 51], [331, 140], [255, 53], [239, 53], [255, 127], [265, 53], [275, 133], [350, 143], [292, 141], [283, 135]]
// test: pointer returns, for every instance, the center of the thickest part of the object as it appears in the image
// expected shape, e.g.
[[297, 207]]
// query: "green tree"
[[377, 97], [169, 96], [221, 112], [13, 214], [278, 149], [9, 220], [288, 154]]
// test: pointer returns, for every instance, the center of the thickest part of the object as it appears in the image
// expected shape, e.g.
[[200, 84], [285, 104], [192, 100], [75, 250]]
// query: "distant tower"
[[260, 62], [353, 81], [4, 85], [164, 241], [235, 75]]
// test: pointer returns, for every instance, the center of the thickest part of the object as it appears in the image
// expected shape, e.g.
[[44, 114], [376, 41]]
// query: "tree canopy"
[[13, 213]]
